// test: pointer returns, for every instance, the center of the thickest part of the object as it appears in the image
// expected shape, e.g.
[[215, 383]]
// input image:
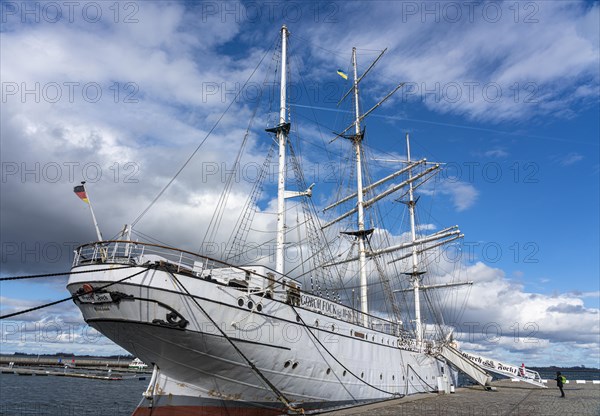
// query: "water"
[[570, 374], [547, 374], [65, 396]]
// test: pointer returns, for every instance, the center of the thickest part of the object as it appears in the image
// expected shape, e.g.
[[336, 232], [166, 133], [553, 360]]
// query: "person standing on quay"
[[560, 380]]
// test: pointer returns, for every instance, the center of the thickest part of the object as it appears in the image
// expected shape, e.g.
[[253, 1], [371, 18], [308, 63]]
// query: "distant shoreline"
[[60, 360], [67, 355]]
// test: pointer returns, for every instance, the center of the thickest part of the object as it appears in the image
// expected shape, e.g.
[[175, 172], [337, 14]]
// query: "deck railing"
[[136, 253], [181, 261]]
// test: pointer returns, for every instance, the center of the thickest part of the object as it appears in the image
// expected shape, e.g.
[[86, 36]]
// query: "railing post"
[[180, 258]]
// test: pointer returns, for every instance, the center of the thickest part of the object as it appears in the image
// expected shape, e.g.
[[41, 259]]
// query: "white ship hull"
[[315, 359]]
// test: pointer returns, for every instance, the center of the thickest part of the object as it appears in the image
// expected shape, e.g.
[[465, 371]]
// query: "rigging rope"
[[33, 276], [189, 159], [10, 315], [280, 396], [217, 217], [338, 361]]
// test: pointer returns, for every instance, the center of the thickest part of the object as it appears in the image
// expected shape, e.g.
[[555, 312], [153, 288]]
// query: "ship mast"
[[282, 136], [282, 131], [361, 234], [415, 274]]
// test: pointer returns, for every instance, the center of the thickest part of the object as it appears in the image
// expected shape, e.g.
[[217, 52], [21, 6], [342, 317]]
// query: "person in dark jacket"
[[559, 383]]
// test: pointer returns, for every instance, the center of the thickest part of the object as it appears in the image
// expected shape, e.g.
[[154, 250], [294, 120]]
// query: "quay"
[[52, 372], [55, 363], [60, 361], [508, 399]]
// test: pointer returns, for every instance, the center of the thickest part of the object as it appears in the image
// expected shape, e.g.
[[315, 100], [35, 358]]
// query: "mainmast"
[[361, 234], [282, 135], [415, 274]]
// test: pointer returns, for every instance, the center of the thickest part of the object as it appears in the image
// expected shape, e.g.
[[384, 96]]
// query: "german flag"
[[80, 192]]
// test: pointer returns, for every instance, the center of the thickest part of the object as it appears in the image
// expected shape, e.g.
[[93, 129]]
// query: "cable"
[[201, 143], [280, 396], [10, 315], [336, 360], [33, 276]]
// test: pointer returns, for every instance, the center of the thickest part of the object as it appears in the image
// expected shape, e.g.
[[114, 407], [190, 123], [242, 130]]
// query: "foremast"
[[282, 131]]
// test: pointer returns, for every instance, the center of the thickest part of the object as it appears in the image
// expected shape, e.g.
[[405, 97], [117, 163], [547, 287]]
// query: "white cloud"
[[503, 318], [173, 60], [477, 65], [497, 152], [570, 159], [462, 194]]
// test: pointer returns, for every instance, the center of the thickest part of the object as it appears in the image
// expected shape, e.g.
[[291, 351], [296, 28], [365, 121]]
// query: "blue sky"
[[505, 93]]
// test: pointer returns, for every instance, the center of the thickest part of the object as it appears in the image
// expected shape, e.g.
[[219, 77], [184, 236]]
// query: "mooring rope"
[[56, 302], [34, 276]]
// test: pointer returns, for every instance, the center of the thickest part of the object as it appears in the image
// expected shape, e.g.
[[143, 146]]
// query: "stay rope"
[[10, 315], [34, 276], [280, 396], [189, 159]]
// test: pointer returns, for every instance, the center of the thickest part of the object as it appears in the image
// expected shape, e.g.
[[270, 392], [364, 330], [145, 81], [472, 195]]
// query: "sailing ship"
[[224, 337]]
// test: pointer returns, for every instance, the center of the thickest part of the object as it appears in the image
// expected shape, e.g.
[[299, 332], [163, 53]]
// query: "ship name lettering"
[[320, 304]]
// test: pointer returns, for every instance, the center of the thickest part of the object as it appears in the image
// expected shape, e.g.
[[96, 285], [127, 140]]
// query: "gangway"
[[466, 365], [497, 367]]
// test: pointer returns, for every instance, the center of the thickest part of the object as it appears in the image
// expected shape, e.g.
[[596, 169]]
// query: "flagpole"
[[92, 211]]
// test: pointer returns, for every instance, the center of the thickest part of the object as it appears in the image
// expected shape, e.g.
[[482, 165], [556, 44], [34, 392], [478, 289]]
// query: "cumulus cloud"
[[123, 106], [504, 319]]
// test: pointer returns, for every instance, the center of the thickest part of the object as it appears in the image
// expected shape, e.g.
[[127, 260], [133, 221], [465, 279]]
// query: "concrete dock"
[[509, 399]]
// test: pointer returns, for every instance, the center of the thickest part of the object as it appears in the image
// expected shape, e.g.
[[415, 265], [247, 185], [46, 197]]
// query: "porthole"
[[402, 377], [362, 375], [317, 323], [333, 327], [344, 373], [298, 318], [373, 338], [287, 364], [259, 307], [380, 376], [294, 365], [328, 371], [250, 304], [240, 302], [412, 378], [351, 332], [393, 378]]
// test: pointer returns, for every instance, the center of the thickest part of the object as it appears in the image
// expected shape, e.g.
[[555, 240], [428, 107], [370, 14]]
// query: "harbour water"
[[64, 396]]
